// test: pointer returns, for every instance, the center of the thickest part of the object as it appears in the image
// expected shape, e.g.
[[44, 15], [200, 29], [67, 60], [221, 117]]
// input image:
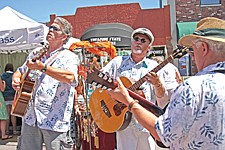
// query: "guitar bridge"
[[105, 109]]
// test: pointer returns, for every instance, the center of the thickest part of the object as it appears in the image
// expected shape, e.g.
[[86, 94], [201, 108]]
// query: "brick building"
[[186, 14], [131, 14], [194, 10]]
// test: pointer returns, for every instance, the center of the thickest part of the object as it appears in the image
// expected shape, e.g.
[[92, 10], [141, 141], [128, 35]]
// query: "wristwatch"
[[44, 69]]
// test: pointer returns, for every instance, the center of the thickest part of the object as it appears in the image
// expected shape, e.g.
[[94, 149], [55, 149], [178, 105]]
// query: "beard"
[[137, 51]]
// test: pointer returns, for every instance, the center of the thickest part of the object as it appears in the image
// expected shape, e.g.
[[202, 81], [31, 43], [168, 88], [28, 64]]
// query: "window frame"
[[206, 2]]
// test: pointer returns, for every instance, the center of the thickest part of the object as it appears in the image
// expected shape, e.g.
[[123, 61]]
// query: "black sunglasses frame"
[[142, 40], [54, 28]]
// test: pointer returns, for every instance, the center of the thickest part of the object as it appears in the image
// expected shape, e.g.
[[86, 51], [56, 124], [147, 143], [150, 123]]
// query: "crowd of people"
[[193, 108], [7, 97]]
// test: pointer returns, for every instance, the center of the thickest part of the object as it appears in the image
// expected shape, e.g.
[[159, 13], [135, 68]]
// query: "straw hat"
[[209, 28]]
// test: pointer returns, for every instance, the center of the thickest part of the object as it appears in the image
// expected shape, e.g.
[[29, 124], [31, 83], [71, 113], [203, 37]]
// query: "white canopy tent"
[[18, 32], [18, 36]]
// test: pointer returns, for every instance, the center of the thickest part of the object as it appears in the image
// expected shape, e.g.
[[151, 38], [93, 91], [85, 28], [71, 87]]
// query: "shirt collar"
[[143, 61], [212, 68], [55, 51]]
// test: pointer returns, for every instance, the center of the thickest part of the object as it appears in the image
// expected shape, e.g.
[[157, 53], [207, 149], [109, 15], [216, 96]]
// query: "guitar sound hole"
[[118, 108]]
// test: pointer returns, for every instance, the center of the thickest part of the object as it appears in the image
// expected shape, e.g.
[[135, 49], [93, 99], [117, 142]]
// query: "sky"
[[40, 10]]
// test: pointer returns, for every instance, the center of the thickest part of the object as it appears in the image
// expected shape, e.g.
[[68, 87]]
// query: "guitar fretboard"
[[137, 84]]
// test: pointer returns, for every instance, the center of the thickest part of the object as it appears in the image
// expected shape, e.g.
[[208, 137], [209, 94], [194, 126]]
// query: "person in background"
[[134, 67], [168, 67], [170, 72], [3, 113], [8, 95], [47, 118], [194, 118]]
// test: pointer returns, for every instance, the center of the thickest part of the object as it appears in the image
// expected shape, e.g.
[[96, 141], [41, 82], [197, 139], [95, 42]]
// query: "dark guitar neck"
[[137, 84], [146, 104], [150, 107]]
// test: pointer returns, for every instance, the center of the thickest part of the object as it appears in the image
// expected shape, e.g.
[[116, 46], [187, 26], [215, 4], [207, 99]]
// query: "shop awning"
[[184, 28], [117, 33]]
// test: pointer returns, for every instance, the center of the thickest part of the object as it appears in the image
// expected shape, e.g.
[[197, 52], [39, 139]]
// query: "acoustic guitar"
[[111, 115], [23, 95]]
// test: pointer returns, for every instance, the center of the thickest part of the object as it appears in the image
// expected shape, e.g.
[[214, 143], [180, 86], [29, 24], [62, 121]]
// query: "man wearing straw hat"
[[194, 118]]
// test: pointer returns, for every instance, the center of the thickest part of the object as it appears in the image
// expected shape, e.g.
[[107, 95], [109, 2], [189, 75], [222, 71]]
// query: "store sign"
[[113, 40], [158, 52]]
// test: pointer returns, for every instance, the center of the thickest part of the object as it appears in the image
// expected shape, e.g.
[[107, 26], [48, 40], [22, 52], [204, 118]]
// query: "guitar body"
[[22, 98], [23, 95], [104, 112]]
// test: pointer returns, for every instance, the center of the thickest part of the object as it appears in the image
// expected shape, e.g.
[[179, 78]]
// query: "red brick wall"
[[191, 10], [157, 20]]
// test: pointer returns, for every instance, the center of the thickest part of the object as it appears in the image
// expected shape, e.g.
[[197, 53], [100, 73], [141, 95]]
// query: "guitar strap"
[[51, 59]]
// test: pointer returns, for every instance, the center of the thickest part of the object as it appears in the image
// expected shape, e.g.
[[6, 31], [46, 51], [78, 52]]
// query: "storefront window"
[[210, 2]]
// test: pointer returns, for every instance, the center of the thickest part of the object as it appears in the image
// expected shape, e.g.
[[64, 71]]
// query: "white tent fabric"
[[18, 32]]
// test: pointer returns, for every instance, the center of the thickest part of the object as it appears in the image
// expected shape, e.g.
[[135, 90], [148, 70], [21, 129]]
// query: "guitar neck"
[[137, 84], [146, 104], [25, 76]]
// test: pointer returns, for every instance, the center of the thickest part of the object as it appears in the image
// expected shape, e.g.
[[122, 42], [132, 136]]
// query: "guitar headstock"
[[97, 78], [39, 54], [180, 51]]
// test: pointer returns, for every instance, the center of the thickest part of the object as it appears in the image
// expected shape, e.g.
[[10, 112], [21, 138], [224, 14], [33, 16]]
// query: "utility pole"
[[160, 4]]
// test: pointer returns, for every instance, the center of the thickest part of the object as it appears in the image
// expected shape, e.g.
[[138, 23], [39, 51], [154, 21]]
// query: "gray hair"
[[215, 46], [66, 27]]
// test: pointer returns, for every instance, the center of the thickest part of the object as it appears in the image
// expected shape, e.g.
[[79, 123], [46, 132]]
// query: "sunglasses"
[[137, 39], [54, 28]]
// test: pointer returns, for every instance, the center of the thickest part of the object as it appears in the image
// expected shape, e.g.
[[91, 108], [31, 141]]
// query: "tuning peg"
[[100, 74], [190, 49], [110, 80], [94, 83], [180, 47], [105, 77], [104, 87], [99, 86]]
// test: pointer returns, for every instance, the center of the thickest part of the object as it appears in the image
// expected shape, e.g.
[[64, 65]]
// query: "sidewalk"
[[9, 144]]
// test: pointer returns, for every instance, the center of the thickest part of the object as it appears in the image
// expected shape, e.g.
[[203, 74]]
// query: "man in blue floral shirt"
[[156, 88], [49, 111], [194, 118]]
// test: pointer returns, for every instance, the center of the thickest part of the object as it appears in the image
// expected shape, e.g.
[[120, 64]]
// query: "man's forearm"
[[146, 119], [60, 74]]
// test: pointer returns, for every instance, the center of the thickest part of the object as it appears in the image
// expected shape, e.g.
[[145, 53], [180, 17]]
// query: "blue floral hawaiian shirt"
[[195, 117], [52, 101]]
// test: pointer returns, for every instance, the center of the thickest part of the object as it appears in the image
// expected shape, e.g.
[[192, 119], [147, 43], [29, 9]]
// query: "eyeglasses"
[[137, 39], [54, 28]]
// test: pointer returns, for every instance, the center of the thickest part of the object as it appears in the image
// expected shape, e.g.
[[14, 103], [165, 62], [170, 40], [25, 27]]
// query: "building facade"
[[184, 18], [131, 14]]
